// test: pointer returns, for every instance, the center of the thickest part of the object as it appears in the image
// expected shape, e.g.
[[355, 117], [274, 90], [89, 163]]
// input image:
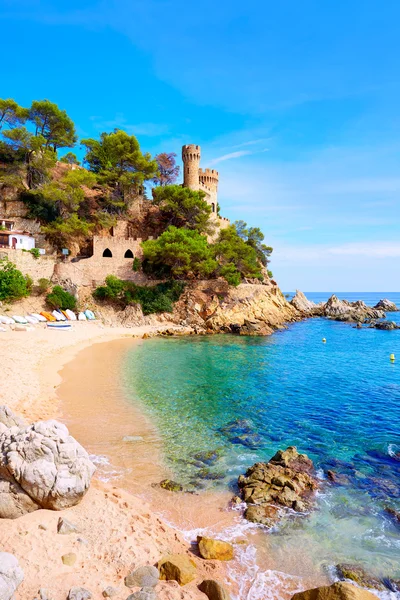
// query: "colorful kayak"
[[48, 316], [90, 315]]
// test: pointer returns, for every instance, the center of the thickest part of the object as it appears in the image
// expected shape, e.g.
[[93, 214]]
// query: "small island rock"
[[177, 567], [210, 549], [386, 305]]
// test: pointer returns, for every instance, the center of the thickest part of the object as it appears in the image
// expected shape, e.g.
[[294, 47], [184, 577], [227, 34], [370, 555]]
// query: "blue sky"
[[296, 104]]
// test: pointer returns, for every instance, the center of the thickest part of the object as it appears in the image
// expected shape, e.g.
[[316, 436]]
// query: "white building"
[[19, 240]]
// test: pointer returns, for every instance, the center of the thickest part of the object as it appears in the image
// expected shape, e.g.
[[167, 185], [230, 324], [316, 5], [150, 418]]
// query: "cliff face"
[[214, 307]]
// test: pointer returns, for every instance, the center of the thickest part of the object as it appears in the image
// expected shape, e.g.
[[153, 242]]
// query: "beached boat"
[[58, 315], [48, 316], [31, 320], [71, 315], [6, 320], [40, 318], [82, 317], [59, 326], [90, 315], [19, 319]]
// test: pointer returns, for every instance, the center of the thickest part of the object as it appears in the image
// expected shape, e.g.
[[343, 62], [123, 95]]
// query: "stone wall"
[[37, 268]]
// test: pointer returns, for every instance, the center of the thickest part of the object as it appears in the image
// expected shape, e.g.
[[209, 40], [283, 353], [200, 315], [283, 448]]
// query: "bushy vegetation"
[[59, 298], [153, 299], [74, 203], [43, 285], [13, 284]]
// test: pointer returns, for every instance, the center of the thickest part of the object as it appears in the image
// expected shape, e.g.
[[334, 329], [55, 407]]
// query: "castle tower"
[[209, 177], [191, 162]]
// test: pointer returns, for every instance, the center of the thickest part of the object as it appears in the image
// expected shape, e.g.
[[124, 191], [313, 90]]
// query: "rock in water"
[[386, 305], [214, 549], [146, 576], [171, 486], [386, 325], [177, 567], [287, 480], [337, 591], [343, 310], [41, 466], [79, 593], [304, 305], [11, 575], [357, 574], [214, 590]]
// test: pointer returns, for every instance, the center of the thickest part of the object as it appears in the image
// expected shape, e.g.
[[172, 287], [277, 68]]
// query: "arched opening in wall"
[[128, 254], [213, 207], [107, 253]]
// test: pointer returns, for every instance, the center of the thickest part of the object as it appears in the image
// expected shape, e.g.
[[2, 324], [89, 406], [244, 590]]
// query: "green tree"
[[119, 162], [62, 232], [70, 158], [183, 207], [230, 251], [11, 114], [13, 284], [179, 253], [52, 124], [253, 236]]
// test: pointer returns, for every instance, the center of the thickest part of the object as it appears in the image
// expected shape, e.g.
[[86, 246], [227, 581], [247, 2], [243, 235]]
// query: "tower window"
[[107, 253], [128, 254]]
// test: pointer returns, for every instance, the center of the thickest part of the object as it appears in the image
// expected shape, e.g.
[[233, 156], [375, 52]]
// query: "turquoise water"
[[246, 397]]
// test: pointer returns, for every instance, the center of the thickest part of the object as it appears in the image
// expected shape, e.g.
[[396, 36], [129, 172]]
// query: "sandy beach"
[[117, 531]]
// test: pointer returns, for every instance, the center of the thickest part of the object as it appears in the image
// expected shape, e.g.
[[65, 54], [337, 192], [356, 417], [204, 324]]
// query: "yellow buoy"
[[392, 357], [324, 340]]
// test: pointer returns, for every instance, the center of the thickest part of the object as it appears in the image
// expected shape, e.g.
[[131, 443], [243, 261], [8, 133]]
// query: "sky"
[[295, 103]]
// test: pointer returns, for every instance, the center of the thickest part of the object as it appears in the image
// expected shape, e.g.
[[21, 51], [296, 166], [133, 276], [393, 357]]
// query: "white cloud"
[[368, 249], [229, 156]]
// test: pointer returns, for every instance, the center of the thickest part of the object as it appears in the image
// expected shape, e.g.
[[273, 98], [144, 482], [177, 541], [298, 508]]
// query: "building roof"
[[14, 231]]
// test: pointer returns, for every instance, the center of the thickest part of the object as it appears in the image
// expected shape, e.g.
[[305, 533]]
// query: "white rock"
[[11, 575]]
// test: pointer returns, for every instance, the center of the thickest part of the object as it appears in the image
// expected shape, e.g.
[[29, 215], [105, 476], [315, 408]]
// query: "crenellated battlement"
[[196, 178]]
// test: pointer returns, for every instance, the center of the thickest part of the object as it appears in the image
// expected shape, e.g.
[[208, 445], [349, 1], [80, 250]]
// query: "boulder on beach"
[[288, 480], [210, 549], [41, 466], [177, 567], [386, 305], [336, 591], [11, 575], [146, 576], [79, 593], [214, 590]]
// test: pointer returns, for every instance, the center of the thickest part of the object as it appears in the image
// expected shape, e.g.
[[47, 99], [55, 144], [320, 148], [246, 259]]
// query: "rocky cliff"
[[215, 307]]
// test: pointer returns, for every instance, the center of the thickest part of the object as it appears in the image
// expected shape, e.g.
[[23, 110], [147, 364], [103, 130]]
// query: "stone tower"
[[191, 162]]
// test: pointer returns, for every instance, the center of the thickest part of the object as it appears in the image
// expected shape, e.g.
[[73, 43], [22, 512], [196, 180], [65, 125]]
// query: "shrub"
[[34, 251], [153, 299], [13, 285], [136, 264], [43, 285], [270, 274], [59, 298]]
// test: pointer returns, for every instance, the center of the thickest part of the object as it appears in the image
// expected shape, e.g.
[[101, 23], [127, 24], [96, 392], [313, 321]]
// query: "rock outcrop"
[[287, 481], [341, 310], [41, 466], [304, 305], [337, 591], [386, 305], [11, 575], [360, 576]]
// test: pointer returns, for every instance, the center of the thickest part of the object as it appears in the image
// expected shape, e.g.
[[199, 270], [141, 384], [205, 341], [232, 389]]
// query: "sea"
[[246, 397]]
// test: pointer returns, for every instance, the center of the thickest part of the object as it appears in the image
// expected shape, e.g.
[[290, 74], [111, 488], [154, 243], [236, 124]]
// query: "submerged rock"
[[386, 325], [41, 466], [208, 458], [177, 567], [336, 591], [287, 480], [360, 576], [213, 590], [11, 575], [210, 549], [386, 305], [170, 485]]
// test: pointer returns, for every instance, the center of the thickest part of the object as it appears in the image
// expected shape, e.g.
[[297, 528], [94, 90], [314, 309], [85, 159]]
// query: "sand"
[[118, 531]]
